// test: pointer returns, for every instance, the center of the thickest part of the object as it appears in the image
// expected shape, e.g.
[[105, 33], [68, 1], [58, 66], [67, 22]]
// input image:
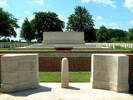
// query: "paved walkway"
[[76, 91]]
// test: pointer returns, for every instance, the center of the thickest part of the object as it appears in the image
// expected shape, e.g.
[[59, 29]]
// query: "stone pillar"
[[110, 71], [64, 73]]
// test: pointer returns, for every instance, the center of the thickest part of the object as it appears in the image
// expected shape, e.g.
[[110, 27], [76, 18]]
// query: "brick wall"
[[130, 72], [0, 67], [54, 63]]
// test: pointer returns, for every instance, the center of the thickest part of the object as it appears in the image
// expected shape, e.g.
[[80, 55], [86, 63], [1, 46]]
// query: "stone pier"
[[19, 72], [64, 73], [110, 71]]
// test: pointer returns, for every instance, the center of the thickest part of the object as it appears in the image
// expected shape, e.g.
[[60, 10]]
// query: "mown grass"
[[4, 48], [56, 76]]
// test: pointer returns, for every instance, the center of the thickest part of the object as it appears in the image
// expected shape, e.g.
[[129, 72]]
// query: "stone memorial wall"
[[63, 38]]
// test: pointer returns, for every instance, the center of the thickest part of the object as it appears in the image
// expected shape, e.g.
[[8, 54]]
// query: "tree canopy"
[[47, 21], [79, 21], [131, 33], [7, 24], [28, 30], [82, 21], [117, 33], [104, 34]]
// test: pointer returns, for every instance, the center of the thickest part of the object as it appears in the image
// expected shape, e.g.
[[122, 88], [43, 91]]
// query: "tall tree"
[[47, 21], [131, 33], [102, 34], [117, 33], [81, 20], [7, 24], [28, 30]]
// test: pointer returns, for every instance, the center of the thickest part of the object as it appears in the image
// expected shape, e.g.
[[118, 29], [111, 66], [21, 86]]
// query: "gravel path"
[[76, 91]]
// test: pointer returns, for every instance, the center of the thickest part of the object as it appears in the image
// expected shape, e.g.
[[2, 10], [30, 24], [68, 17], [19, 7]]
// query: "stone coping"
[[18, 54], [64, 54], [65, 51], [110, 54], [63, 46]]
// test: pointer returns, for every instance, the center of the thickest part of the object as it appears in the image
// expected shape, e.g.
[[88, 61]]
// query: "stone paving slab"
[[76, 91]]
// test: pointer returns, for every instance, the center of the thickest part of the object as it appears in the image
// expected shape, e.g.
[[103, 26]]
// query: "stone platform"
[[76, 91], [41, 45]]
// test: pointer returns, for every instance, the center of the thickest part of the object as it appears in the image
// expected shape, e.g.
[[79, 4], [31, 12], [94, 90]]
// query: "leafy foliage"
[[117, 33], [81, 21], [28, 30], [102, 34], [111, 35], [7, 24], [131, 33], [47, 21]]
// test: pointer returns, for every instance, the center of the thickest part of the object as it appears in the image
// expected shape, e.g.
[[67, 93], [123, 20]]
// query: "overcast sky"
[[111, 13]]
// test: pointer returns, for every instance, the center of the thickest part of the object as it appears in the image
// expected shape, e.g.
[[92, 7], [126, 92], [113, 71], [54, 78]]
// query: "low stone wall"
[[110, 71], [19, 72]]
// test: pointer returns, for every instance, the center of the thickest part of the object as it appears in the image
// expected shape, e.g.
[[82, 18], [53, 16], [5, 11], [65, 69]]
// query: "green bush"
[[120, 40]]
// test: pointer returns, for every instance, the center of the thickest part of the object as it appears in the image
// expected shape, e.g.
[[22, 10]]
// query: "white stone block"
[[110, 71], [19, 72]]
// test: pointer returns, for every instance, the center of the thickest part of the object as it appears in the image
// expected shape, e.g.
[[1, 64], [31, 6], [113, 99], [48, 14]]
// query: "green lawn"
[[4, 48], [56, 76]]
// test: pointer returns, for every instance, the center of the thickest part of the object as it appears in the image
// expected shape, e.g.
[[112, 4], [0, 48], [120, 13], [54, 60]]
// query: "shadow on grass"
[[30, 92]]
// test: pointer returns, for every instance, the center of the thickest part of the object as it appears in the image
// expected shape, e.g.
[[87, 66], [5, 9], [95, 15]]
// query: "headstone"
[[113, 46], [125, 45], [64, 73]]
